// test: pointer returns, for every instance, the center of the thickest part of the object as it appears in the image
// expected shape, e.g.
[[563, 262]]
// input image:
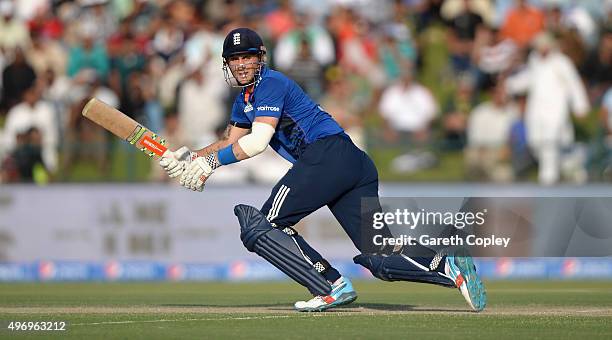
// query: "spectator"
[[493, 56], [597, 70], [570, 41], [182, 14], [456, 112], [396, 47], [488, 131], [304, 35], [461, 37], [25, 164], [170, 79], [202, 44], [17, 77], [45, 24], [231, 12], [97, 14], [201, 107], [126, 52], [554, 90], [554, 19], [83, 139], [154, 111], [428, 13], [578, 19], [307, 71], [408, 109], [67, 13], [523, 23], [87, 54], [13, 31], [132, 100], [168, 40], [57, 91], [359, 52], [143, 18], [281, 21], [46, 54], [33, 112]]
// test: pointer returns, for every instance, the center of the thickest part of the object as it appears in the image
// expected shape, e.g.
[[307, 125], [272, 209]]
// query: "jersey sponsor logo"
[[268, 108], [236, 38], [248, 108]]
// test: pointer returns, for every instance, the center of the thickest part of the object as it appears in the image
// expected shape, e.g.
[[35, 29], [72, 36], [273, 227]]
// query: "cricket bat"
[[125, 127]]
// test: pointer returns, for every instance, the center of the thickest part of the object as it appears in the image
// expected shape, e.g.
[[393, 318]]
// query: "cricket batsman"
[[328, 170]]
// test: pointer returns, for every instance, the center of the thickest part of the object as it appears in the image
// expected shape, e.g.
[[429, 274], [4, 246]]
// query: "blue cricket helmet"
[[242, 40]]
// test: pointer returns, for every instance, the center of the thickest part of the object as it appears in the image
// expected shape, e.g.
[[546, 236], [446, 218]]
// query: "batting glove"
[[175, 162], [198, 171]]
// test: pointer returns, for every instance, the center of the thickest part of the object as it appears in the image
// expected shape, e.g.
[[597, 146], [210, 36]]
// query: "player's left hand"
[[196, 174], [176, 162]]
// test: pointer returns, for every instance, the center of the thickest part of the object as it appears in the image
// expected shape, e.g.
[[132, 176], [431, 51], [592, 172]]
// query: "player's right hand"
[[175, 162]]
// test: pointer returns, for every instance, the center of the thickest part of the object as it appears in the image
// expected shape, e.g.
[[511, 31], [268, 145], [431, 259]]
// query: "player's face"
[[244, 67]]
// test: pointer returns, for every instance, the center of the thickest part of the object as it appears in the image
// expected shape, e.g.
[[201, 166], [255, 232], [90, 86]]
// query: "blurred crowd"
[[504, 83]]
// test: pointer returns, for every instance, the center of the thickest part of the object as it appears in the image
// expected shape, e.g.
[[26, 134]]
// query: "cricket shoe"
[[342, 293], [460, 268]]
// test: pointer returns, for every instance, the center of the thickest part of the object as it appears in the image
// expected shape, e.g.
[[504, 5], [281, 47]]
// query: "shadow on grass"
[[388, 307], [202, 305], [354, 307]]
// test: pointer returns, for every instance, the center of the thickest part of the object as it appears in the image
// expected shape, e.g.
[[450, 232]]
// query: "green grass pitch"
[[399, 310]]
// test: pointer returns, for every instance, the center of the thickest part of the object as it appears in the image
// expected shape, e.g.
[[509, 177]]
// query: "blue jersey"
[[301, 121]]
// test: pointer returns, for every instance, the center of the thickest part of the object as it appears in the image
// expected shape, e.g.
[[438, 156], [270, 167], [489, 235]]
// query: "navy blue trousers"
[[331, 172]]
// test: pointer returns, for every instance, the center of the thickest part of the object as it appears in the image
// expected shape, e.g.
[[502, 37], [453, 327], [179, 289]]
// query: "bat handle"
[[153, 146]]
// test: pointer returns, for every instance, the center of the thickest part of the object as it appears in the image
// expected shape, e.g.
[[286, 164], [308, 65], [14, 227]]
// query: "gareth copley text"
[[455, 240]]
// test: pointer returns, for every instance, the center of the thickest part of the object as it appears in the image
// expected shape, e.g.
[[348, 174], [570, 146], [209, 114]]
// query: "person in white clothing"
[[197, 92], [554, 90], [408, 107], [33, 113], [488, 131]]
